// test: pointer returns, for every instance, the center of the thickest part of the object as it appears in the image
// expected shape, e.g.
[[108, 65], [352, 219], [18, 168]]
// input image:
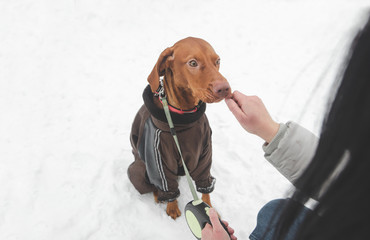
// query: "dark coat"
[[157, 162]]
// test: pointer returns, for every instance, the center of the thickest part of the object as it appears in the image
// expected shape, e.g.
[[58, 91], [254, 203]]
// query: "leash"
[[173, 133], [196, 211]]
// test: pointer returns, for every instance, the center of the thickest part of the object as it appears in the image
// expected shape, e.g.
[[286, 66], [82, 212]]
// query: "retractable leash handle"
[[196, 211], [197, 216]]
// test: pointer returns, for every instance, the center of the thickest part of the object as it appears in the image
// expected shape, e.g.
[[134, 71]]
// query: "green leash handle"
[[197, 216]]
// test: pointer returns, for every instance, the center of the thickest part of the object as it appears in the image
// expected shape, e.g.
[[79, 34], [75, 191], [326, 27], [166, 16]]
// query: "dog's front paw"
[[206, 198], [173, 210]]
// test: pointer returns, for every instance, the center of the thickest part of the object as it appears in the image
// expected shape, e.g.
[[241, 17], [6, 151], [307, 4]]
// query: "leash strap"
[[173, 133]]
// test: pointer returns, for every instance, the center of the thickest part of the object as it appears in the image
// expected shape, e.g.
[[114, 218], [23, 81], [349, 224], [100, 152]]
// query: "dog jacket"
[[157, 162]]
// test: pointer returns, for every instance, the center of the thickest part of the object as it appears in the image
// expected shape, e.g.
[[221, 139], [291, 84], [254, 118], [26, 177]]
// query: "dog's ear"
[[159, 69]]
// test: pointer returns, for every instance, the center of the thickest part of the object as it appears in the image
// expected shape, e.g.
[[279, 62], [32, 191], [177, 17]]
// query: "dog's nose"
[[221, 89]]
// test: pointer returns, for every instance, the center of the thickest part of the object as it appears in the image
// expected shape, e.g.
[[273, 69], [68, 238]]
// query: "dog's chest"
[[156, 144]]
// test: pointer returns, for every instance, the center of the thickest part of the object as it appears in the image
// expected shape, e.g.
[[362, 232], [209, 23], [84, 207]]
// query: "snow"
[[71, 78]]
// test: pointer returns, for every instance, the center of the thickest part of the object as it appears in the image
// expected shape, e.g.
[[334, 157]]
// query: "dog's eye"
[[193, 63], [218, 61]]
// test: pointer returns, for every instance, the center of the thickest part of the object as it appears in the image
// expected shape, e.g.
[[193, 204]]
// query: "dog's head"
[[192, 64]]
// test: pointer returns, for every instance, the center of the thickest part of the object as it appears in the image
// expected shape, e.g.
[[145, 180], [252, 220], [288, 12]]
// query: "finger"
[[237, 96], [232, 105], [235, 109], [233, 237], [230, 230], [207, 229], [225, 222], [214, 219]]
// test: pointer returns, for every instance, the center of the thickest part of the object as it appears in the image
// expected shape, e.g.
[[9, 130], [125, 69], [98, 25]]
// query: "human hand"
[[252, 114], [216, 231]]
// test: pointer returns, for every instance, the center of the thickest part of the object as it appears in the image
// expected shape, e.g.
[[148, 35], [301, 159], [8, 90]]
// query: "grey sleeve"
[[291, 150]]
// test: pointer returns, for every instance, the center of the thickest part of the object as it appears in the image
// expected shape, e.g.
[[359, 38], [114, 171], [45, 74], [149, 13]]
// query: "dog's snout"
[[221, 89]]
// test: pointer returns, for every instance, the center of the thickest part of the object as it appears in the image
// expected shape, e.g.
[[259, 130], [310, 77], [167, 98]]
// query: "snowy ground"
[[71, 78]]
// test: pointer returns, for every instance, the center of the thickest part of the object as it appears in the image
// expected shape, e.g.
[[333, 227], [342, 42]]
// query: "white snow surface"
[[71, 79]]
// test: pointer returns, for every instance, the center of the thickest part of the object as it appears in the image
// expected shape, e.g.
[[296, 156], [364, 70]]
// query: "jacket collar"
[[177, 118]]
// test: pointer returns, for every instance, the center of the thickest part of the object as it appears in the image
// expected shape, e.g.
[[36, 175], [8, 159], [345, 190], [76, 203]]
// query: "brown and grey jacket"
[[157, 162]]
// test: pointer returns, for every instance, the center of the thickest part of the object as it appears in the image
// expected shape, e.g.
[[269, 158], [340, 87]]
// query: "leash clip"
[[160, 91]]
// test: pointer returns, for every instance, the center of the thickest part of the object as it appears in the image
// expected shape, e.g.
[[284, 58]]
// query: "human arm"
[[288, 147], [216, 231], [291, 150], [252, 115]]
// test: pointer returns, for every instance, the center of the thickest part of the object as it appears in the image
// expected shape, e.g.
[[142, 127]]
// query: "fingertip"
[[229, 96], [230, 230], [229, 101], [213, 214], [212, 211], [237, 96], [236, 92], [231, 104]]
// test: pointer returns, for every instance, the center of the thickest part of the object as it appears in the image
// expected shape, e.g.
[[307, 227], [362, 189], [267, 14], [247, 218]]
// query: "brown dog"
[[191, 79]]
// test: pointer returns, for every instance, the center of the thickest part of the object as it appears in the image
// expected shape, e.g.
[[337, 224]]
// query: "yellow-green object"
[[197, 217], [193, 223]]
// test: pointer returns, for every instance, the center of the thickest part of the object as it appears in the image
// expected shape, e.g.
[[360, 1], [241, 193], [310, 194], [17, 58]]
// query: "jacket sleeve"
[[291, 150]]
